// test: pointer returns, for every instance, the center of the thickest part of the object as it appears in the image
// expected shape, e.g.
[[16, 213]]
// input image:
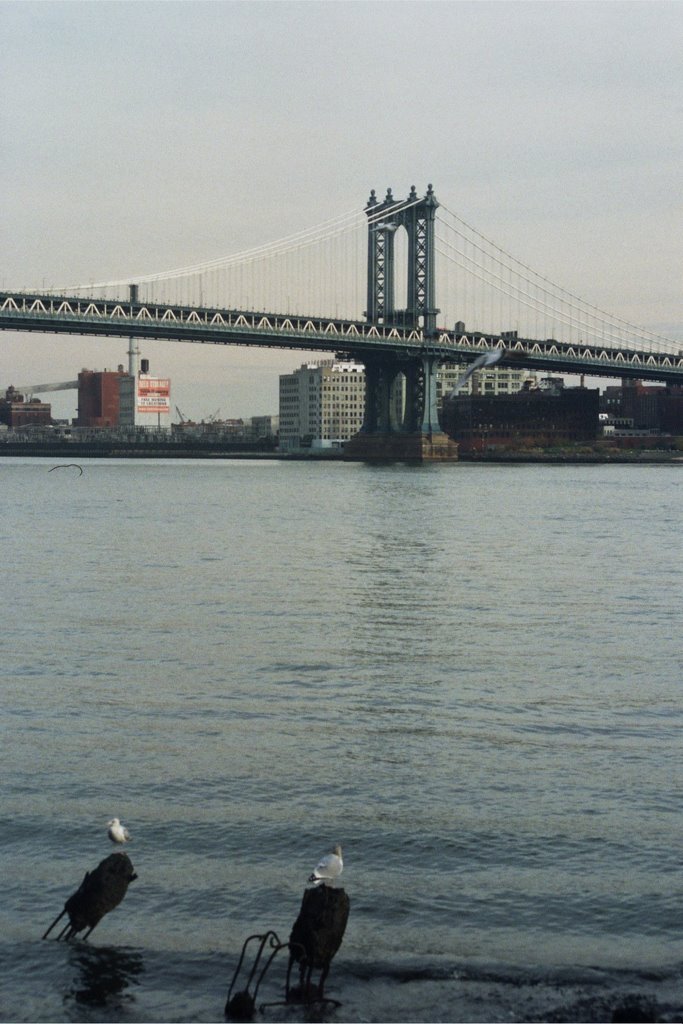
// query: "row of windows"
[[335, 402]]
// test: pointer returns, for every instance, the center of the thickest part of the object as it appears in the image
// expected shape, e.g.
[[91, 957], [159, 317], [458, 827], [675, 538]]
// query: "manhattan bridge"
[[365, 285]]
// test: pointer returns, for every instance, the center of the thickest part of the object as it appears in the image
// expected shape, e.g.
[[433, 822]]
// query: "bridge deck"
[[51, 314]]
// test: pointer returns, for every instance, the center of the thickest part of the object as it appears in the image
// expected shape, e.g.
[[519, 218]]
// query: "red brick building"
[[99, 397], [16, 411], [646, 406], [522, 419]]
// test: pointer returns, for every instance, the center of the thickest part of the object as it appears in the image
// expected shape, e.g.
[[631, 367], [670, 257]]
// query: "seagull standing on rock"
[[328, 868], [117, 832]]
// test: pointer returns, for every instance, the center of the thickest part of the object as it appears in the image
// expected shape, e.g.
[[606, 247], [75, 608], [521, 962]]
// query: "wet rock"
[[316, 936], [100, 891]]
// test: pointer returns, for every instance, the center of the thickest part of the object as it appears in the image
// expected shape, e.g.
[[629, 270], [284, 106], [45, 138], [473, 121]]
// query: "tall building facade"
[[496, 380], [321, 404], [99, 397]]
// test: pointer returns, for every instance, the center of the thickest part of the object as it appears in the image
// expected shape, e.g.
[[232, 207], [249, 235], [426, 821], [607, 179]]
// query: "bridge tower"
[[415, 433], [384, 219]]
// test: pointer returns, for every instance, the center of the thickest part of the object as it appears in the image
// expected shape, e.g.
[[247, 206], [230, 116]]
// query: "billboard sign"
[[154, 394]]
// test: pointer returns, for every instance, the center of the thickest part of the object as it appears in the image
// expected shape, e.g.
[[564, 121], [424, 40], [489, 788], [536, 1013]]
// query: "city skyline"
[[144, 136]]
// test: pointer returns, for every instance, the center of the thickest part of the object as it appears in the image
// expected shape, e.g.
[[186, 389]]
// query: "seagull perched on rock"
[[117, 832], [328, 867]]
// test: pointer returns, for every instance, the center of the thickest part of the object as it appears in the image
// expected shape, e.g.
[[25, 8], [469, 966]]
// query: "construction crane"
[[181, 417]]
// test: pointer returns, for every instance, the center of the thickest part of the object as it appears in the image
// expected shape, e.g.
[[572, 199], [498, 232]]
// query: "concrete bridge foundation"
[[436, 447]]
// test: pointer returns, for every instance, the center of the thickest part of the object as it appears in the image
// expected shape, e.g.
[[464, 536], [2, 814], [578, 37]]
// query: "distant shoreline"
[[110, 451], [149, 451]]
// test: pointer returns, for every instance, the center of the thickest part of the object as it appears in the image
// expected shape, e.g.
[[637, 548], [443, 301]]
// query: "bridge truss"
[[357, 338]]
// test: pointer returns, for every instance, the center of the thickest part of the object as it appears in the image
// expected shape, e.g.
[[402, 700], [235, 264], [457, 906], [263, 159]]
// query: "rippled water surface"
[[470, 676]]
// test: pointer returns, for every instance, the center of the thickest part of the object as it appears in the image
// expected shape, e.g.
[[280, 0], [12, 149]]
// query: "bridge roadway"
[[57, 314]]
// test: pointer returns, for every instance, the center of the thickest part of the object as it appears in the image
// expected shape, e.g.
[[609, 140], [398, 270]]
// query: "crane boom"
[[36, 389]]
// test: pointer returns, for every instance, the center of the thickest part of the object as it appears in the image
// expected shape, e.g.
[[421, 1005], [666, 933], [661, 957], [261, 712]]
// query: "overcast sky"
[[142, 136]]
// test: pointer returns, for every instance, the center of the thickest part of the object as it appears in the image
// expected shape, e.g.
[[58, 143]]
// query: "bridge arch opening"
[[401, 268]]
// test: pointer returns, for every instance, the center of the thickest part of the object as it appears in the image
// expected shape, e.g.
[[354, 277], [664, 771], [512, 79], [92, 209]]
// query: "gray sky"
[[142, 136]]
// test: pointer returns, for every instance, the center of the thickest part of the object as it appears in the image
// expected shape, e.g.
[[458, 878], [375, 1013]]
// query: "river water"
[[469, 675]]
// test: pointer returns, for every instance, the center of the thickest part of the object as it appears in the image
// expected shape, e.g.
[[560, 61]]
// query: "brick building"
[[638, 406], [18, 411], [535, 417], [99, 397]]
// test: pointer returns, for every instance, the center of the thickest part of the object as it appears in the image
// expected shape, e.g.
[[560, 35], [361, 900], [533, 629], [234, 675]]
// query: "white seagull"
[[328, 867], [117, 832], [489, 358]]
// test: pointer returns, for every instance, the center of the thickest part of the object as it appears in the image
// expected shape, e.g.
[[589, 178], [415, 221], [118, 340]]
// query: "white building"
[[321, 404], [261, 427], [497, 380]]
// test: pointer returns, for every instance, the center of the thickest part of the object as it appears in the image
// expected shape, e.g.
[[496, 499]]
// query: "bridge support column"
[[378, 417], [430, 416], [413, 435]]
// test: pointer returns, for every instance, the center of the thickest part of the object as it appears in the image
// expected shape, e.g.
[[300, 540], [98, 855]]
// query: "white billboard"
[[154, 394]]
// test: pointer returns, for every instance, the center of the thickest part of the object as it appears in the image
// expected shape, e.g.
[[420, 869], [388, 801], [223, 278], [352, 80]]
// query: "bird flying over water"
[[328, 867], [68, 465], [117, 832], [489, 358]]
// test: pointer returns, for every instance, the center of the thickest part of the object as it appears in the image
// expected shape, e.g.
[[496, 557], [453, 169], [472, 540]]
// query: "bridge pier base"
[[399, 447], [401, 421]]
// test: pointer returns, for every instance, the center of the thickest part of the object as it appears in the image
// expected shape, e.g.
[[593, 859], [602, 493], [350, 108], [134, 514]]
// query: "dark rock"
[[100, 891], [318, 933]]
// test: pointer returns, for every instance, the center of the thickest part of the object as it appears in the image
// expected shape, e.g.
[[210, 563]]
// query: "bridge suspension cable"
[[283, 246], [525, 298], [322, 270], [484, 261]]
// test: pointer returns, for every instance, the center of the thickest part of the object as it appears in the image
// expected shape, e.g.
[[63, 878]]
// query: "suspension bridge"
[[338, 288]]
